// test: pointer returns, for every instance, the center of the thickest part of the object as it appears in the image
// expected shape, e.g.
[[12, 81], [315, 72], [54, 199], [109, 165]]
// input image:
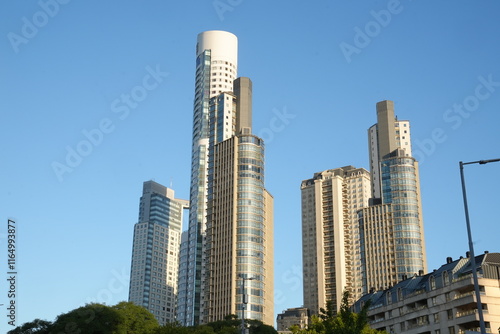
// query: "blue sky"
[[318, 69]]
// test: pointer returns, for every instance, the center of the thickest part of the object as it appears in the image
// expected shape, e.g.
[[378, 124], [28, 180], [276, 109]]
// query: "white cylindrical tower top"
[[223, 44]]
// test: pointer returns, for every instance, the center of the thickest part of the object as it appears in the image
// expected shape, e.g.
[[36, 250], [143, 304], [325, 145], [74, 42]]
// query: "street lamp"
[[244, 300], [471, 246]]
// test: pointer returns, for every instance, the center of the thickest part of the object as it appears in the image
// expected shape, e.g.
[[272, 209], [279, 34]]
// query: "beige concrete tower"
[[239, 231], [330, 235]]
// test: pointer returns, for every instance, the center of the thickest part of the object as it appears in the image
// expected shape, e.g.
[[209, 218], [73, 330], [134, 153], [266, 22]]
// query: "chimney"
[[467, 254], [449, 259], [420, 272]]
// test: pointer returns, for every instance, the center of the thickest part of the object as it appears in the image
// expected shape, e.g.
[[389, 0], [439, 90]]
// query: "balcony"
[[475, 329], [419, 323], [410, 309], [376, 321], [468, 312], [463, 295]]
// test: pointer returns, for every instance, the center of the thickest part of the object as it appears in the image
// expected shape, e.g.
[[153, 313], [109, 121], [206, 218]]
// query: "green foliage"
[[173, 328], [36, 326], [91, 318], [123, 318], [136, 319], [128, 318], [230, 325], [343, 322]]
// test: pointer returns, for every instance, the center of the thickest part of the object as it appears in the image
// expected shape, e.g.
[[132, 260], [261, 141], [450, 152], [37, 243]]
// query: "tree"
[[173, 328], [258, 327], [91, 318], [348, 322], [343, 322], [36, 326], [136, 319]]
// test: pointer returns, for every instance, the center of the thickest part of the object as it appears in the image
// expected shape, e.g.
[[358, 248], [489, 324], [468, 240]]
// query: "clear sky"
[[318, 69]]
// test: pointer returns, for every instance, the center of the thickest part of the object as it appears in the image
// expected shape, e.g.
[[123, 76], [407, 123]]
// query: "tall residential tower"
[[155, 252], [330, 235], [230, 236], [393, 244], [363, 230], [216, 69]]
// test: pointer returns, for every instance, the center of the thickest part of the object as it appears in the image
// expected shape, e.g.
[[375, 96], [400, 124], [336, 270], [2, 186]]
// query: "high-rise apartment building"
[[216, 69], [231, 227], [363, 231], [155, 252], [393, 242], [331, 255], [239, 216]]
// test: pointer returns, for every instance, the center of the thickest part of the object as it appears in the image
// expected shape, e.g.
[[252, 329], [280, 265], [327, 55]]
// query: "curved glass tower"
[[399, 188], [393, 244]]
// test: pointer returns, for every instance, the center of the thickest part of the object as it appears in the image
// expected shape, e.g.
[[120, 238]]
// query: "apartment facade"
[[441, 302], [239, 231], [331, 253], [297, 316], [155, 251]]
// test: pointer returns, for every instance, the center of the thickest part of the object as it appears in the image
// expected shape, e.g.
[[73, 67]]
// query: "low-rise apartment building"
[[441, 302]]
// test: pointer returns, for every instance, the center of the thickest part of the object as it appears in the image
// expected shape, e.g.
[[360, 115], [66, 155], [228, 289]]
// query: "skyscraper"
[[216, 69], [393, 243], [330, 235], [230, 225], [363, 231], [239, 216], [155, 252]]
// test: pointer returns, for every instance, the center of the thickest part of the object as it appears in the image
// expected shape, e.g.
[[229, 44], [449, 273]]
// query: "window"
[[433, 283], [446, 278], [451, 330], [450, 314], [436, 318]]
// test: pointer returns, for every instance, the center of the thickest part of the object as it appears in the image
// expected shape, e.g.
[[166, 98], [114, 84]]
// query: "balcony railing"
[[477, 329], [469, 312], [414, 309], [418, 324], [376, 321], [462, 295]]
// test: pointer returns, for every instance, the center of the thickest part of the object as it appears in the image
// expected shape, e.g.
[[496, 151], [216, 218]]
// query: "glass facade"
[[399, 188], [190, 279], [250, 224]]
